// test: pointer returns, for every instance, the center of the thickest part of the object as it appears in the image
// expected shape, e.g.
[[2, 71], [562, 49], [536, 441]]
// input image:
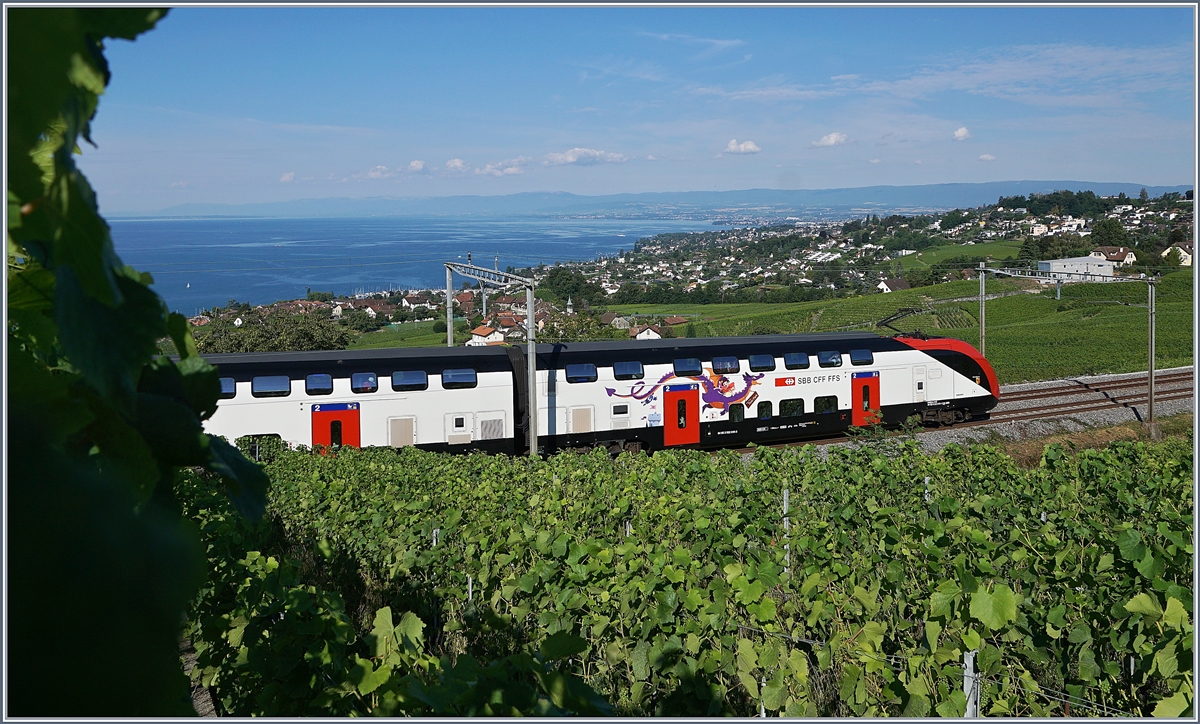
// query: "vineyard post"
[[1154, 433], [970, 685], [530, 325], [787, 528], [449, 307], [982, 325]]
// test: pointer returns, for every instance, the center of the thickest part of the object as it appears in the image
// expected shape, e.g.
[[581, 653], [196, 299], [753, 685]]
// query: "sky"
[[241, 105]]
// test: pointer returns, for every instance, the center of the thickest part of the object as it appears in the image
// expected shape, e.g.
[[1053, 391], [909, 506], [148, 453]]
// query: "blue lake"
[[202, 263]]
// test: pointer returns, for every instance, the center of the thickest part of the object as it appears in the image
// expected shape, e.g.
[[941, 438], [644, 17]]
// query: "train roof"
[[550, 355]]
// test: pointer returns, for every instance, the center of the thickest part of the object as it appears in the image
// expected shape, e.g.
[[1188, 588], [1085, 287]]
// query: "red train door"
[[864, 396], [335, 424], [681, 414]]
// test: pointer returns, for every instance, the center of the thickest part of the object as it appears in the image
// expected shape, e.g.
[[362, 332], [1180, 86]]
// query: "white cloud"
[[651, 158], [504, 168], [874, 160], [415, 166], [582, 157], [832, 139], [456, 164], [743, 147], [290, 175], [962, 134], [374, 173], [987, 157], [183, 184]]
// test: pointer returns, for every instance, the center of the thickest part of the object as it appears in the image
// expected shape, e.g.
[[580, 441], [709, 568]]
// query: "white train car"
[[706, 393]]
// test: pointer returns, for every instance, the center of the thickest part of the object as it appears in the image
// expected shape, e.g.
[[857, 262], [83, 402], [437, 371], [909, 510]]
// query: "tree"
[[99, 425], [1143, 196], [439, 325], [274, 333], [318, 296], [360, 321], [1109, 232]]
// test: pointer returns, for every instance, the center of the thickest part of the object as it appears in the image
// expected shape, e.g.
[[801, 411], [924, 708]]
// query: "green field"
[[1091, 330], [408, 334], [937, 254]]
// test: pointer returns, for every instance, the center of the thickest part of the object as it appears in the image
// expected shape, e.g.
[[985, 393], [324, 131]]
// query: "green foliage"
[[360, 321], [1109, 232], [278, 332], [97, 425], [270, 644], [672, 586]]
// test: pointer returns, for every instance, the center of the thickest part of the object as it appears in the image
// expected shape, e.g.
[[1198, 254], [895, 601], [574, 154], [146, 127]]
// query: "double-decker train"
[[635, 395]]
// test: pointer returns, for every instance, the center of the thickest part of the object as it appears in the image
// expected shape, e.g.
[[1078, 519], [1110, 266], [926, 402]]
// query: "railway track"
[[1072, 397]]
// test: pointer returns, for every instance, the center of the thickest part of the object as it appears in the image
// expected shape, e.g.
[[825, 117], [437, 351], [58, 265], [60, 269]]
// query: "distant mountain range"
[[684, 204]]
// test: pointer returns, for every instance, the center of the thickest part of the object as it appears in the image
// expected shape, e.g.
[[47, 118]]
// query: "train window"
[[737, 412], [795, 360], [827, 404], [410, 380], [791, 408], [861, 357], [628, 370], [764, 410], [364, 382], [583, 372], [726, 365], [318, 385], [829, 359], [335, 433], [681, 412], [271, 386], [688, 367], [620, 410], [459, 379], [762, 363], [228, 388]]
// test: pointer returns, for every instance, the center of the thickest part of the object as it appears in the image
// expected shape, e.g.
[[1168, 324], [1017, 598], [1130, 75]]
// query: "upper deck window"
[[795, 360], [228, 388], [271, 386], [583, 372], [726, 365], [762, 363], [458, 379], [628, 370], [410, 380], [318, 384], [861, 357], [829, 359], [688, 367], [364, 382]]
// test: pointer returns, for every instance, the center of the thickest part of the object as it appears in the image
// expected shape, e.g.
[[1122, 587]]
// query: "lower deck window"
[[737, 412], [791, 408], [228, 388], [827, 404], [764, 410]]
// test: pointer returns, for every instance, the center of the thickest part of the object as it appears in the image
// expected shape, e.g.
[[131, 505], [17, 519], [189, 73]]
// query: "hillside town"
[[1062, 234]]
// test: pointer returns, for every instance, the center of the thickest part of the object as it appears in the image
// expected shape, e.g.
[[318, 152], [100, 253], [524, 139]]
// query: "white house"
[[1039, 230], [1119, 255], [649, 331], [485, 336], [892, 285], [1185, 253]]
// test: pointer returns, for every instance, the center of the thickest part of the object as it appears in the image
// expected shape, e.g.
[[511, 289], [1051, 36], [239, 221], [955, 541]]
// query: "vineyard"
[[416, 583]]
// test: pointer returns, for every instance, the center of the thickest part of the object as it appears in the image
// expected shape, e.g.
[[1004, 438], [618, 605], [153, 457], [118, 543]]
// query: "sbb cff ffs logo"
[[785, 381]]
